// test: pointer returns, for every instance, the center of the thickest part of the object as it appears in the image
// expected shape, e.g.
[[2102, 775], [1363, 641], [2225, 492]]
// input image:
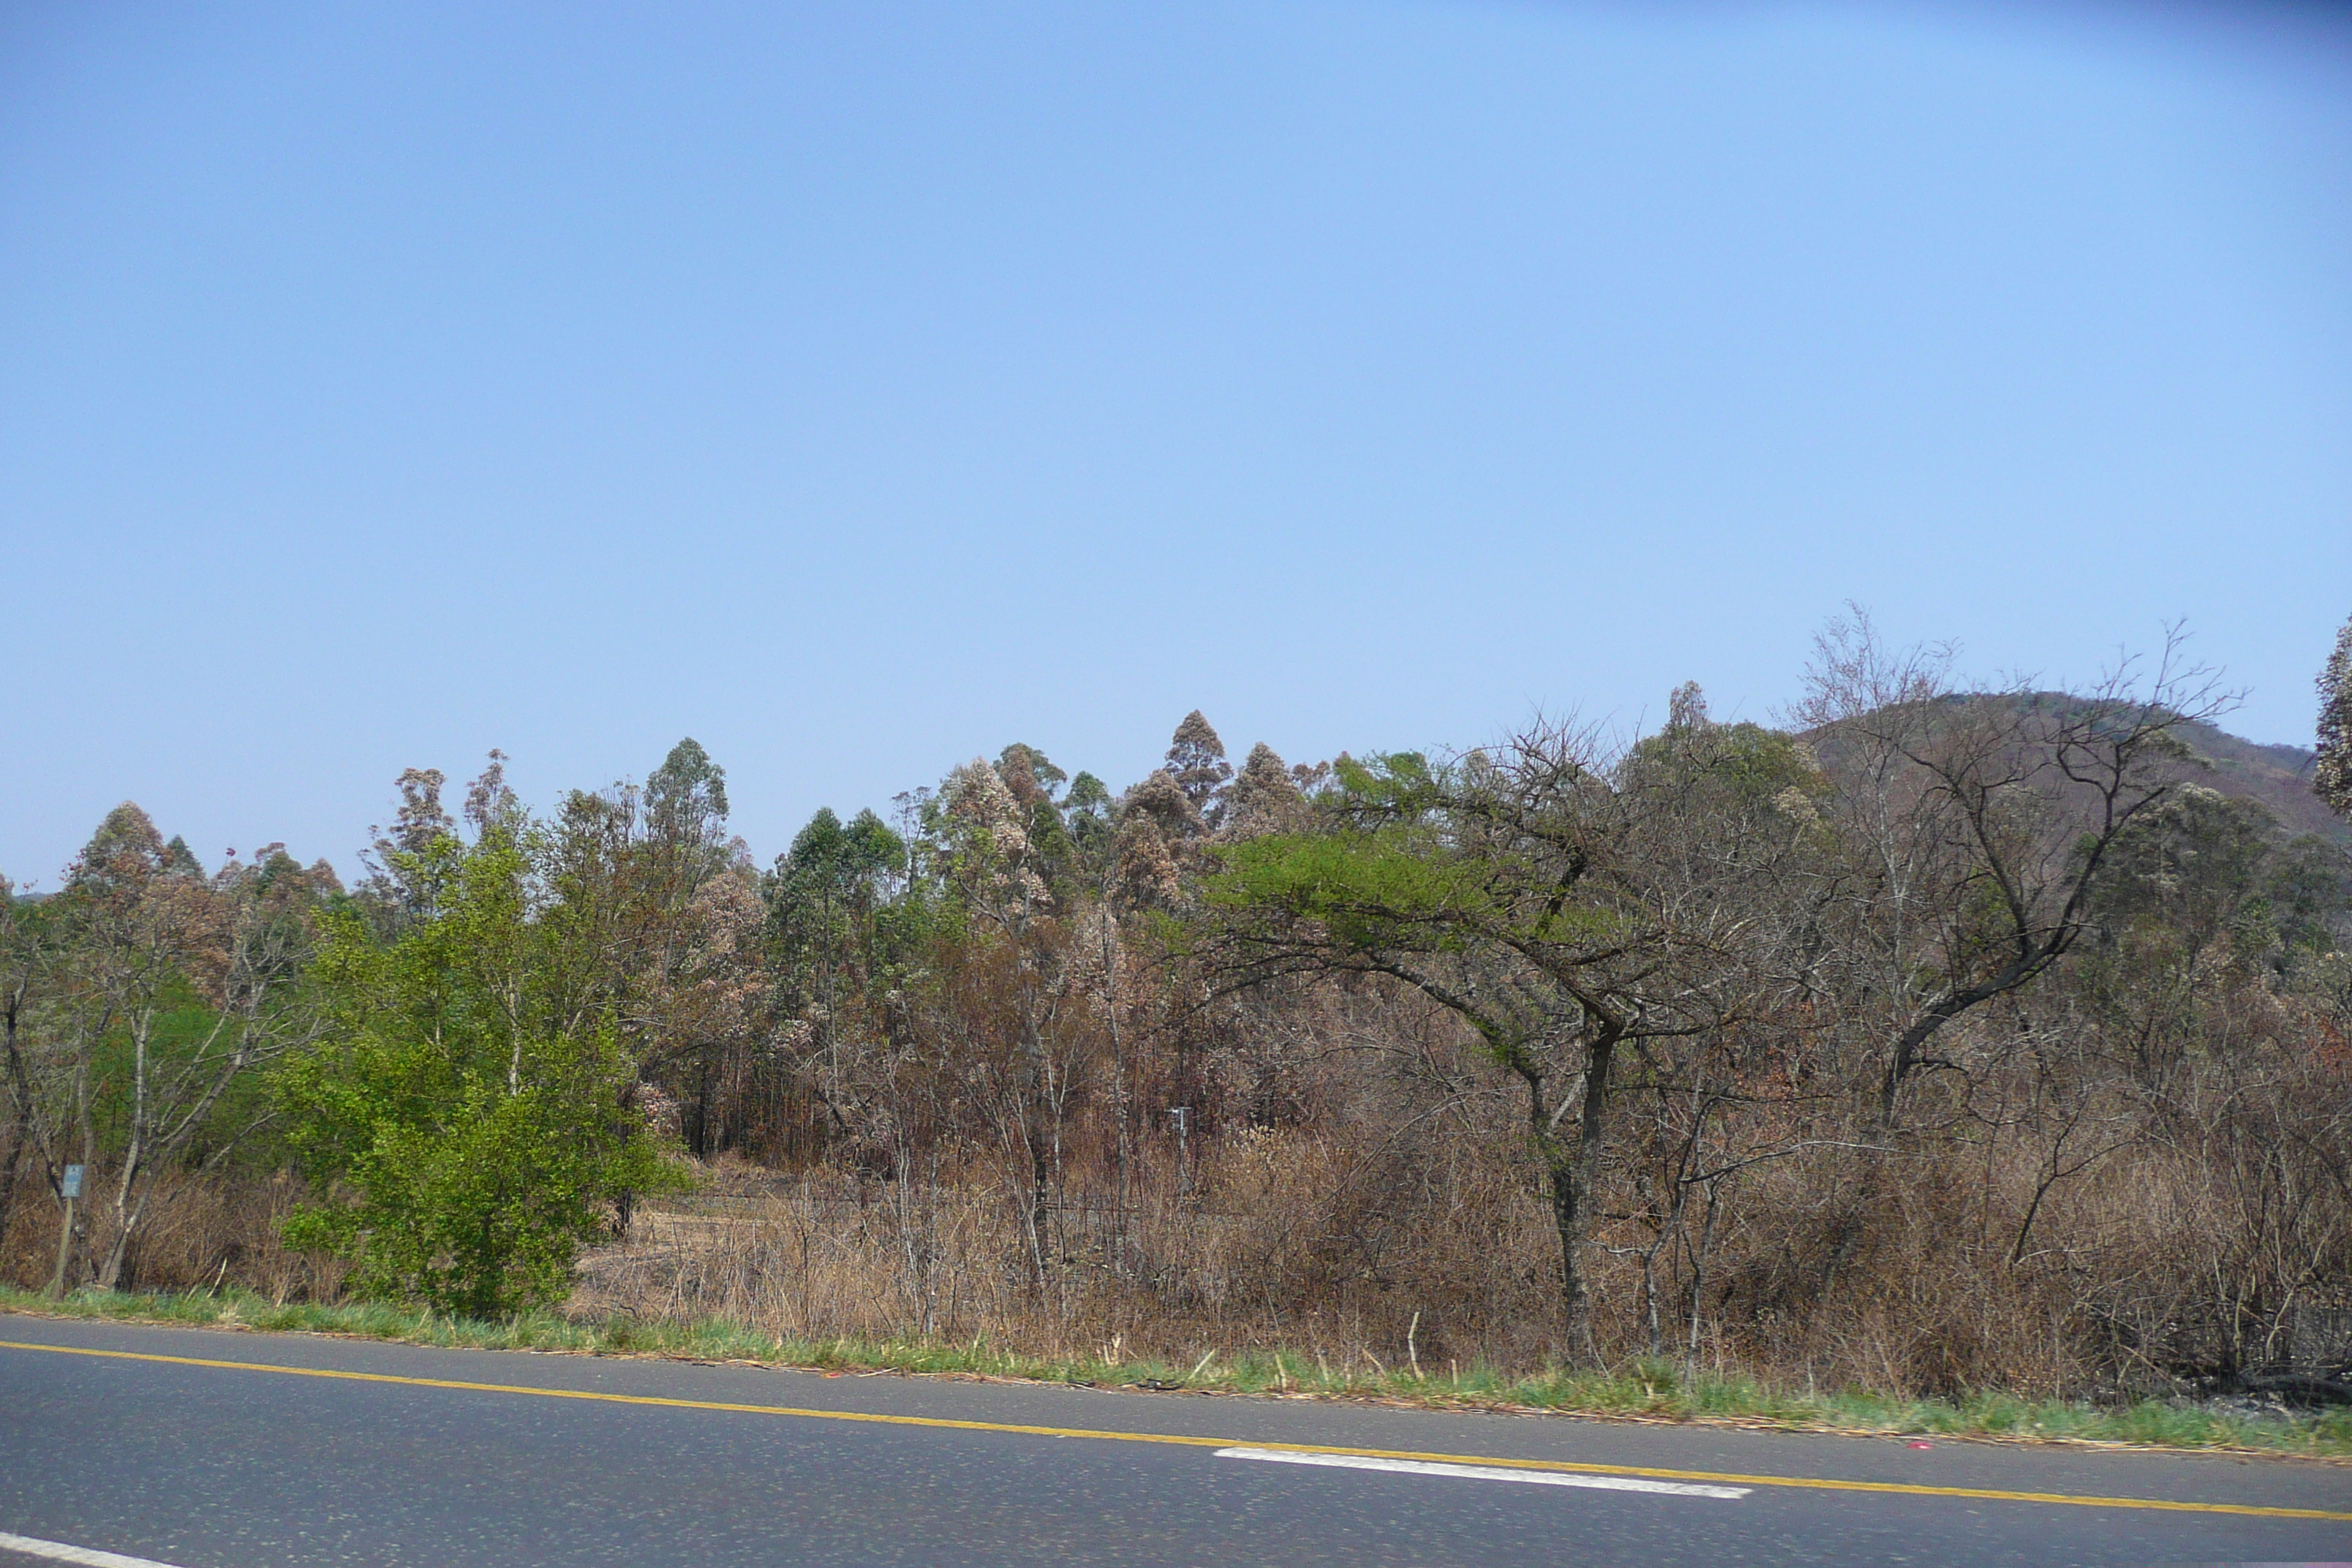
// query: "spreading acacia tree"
[[1574, 910]]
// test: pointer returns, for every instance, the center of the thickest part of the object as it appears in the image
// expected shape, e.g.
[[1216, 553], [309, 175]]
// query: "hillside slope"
[[2279, 776]]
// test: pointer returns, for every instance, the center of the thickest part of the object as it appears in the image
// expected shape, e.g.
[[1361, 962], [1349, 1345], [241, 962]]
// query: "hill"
[[2278, 776]]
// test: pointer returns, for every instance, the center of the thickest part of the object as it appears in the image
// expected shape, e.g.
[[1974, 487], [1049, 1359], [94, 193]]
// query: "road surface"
[[209, 1450]]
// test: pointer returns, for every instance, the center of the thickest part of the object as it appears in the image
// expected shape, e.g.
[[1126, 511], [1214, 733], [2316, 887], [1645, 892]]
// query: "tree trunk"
[[1571, 1167], [135, 1158], [126, 1224], [1031, 1087]]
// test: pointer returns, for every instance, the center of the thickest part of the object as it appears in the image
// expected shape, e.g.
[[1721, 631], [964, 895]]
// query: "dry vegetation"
[[1946, 1043]]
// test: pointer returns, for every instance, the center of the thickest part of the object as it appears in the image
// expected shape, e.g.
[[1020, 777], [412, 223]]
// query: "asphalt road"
[[567, 1461]]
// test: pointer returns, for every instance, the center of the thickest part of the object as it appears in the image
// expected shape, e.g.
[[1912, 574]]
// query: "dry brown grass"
[[1913, 1273], [1279, 1241], [199, 1230]]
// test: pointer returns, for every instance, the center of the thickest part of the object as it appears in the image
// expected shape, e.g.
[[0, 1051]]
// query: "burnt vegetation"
[[1937, 1038]]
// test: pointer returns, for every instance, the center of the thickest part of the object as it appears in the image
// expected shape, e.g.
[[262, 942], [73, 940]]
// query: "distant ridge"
[[2278, 776]]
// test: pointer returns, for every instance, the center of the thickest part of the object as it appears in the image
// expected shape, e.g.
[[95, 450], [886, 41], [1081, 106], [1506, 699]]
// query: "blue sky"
[[858, 388]]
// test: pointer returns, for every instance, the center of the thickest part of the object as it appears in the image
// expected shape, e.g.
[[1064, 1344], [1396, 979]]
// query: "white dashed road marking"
[[59, 1552], [1485, 1473]]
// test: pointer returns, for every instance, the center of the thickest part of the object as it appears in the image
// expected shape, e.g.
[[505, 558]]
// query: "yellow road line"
[[1806, 1482]]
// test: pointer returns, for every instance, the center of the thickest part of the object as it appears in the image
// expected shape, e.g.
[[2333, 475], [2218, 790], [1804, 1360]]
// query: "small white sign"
[[70, 1186]]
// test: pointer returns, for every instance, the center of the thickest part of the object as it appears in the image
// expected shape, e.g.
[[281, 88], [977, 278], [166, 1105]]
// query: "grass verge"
[[1641, 1390]]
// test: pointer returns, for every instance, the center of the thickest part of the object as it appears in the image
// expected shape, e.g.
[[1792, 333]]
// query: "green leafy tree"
[[653, 912], [1087, 810], [823, 941], [467, 1118]]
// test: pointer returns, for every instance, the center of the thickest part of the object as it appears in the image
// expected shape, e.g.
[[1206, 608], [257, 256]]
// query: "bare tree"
[[1975, 821]]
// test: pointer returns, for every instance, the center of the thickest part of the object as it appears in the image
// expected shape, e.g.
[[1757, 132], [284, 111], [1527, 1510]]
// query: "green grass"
[[1649, 1390]]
